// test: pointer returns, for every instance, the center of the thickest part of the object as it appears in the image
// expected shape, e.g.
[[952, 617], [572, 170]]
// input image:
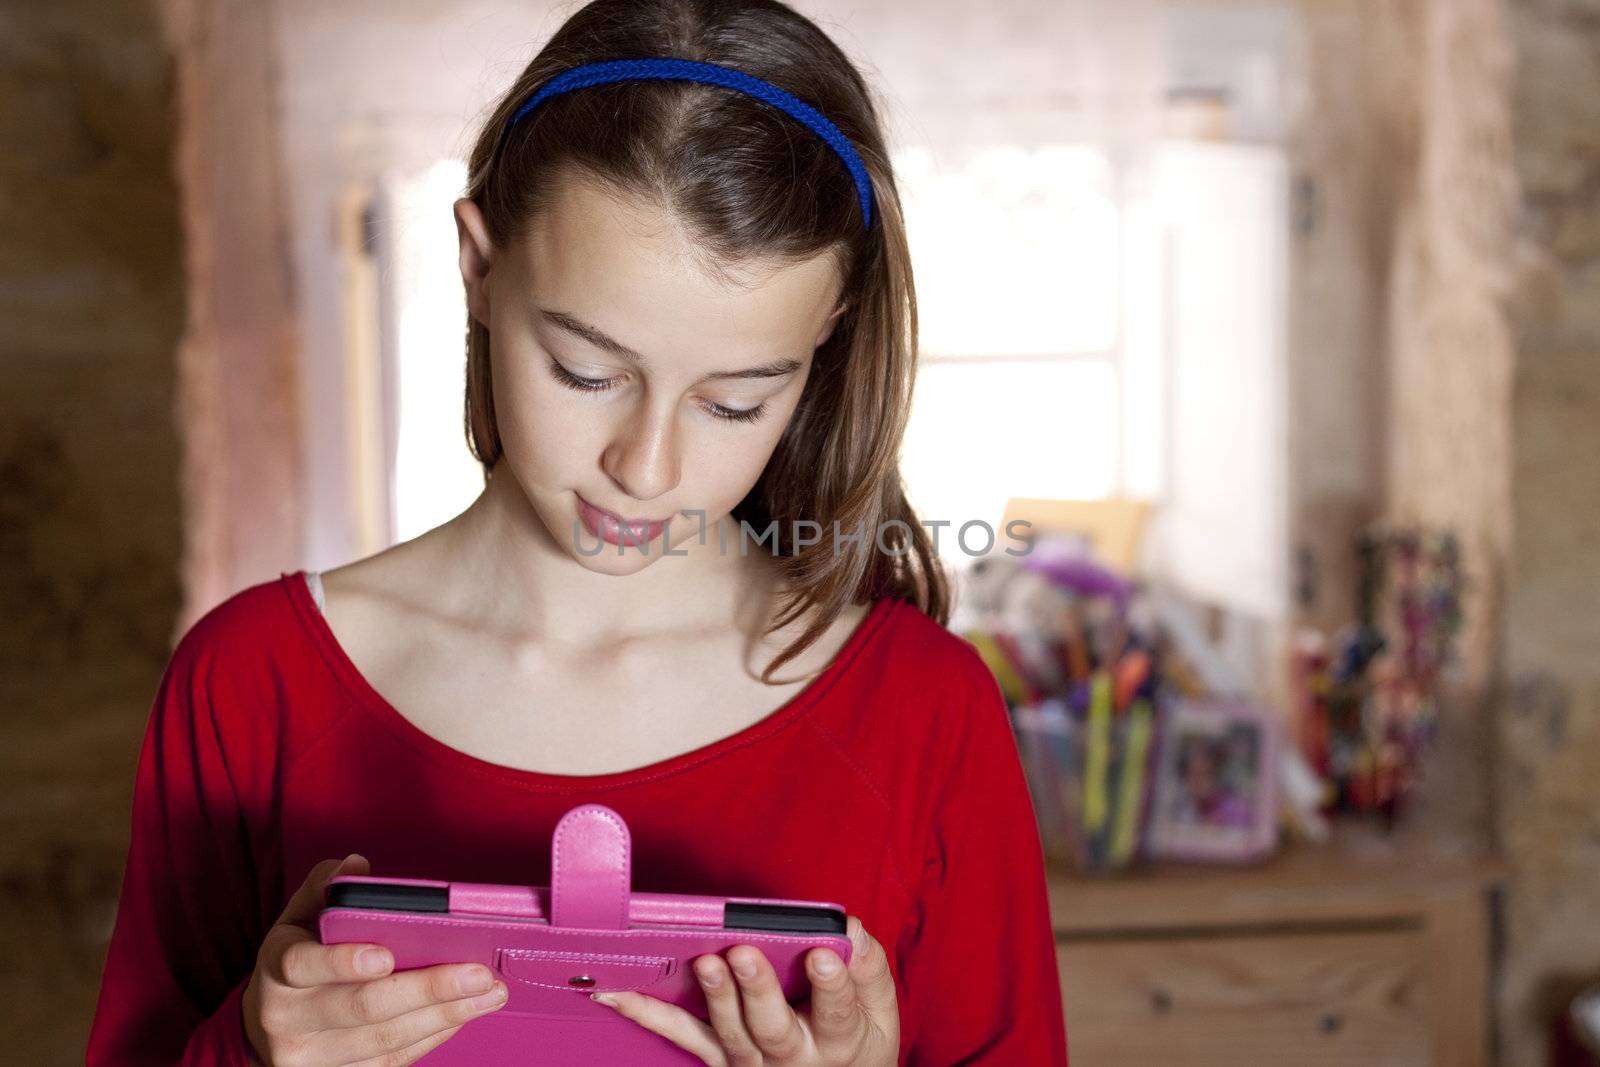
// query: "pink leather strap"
[[591, 869], [590, 972]]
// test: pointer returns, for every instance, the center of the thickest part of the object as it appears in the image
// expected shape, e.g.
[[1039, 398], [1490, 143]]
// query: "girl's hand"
[[310, 1003], [853, 1018]]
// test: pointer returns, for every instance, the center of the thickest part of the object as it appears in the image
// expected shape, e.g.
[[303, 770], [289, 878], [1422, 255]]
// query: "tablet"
[[586, 932]]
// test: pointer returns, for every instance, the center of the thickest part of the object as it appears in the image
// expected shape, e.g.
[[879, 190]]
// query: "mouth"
[[616, 529]]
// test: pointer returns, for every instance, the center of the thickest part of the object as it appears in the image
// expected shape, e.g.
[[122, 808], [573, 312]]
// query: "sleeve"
[[980, 961], [188, 921]]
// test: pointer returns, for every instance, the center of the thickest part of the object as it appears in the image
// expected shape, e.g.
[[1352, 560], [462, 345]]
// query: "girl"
[[691, 339]]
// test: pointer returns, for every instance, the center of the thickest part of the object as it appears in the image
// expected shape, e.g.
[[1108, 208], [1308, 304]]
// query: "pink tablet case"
[[552, 946]]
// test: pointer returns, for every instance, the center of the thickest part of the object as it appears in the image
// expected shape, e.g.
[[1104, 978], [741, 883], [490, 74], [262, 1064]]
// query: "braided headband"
[[688, 70]]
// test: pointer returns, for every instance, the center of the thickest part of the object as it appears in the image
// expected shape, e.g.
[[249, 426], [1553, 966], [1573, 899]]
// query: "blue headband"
[[688, 70]]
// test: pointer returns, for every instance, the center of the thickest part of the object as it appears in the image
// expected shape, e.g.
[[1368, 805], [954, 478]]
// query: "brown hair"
[[749, 183]]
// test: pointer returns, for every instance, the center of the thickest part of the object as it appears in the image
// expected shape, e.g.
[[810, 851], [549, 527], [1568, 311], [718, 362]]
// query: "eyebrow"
[[775, 369]]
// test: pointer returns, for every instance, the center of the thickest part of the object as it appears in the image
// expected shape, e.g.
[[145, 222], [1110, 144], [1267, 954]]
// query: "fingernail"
[[494, 997], [826, 965], [708, 974], [744, 968], [474, 981], [372, 961], [604, 998]]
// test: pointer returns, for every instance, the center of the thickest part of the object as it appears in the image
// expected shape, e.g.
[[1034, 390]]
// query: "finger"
[[377, 1001], [772, 1023], [869, 970], [300, 959], [411, 1053], [838, 1019], [390, 1036], [670, 1021], [306, 903], [722, 1002], [305, 962]]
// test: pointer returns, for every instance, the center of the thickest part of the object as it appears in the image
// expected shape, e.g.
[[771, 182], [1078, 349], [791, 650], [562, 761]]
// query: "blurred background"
[[1278, 319]]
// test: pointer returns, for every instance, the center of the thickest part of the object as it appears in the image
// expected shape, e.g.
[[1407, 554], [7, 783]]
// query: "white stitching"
[[748, 938], [666, 966]]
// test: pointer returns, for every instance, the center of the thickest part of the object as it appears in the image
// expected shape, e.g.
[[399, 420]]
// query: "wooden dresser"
[[1346, 953]]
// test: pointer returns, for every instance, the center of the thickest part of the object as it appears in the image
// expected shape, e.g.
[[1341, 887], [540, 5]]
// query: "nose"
[[642, 457]]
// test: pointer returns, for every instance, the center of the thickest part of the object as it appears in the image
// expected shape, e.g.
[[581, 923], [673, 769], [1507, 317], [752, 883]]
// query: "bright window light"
[[1016, 253], [1014, 250], [983, 432], [435, 477]]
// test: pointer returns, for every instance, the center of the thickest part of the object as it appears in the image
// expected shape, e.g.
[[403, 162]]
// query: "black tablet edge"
[[783, 918], [383, 896]]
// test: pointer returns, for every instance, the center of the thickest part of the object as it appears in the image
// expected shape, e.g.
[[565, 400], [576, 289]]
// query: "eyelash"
[[594, 385]]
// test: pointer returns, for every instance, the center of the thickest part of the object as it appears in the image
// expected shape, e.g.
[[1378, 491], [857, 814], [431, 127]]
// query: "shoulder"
[[245, 630], [967, 710], [249, 609], [242, 630], [915, 645], [913, 691], [920, 714], [240, 666], [379, 604]]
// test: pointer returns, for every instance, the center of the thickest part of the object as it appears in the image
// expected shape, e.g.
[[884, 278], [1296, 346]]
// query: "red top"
[[891, 784]]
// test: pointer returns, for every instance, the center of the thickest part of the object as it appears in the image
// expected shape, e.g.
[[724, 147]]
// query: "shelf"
[[1365, 949], [1357, 876]]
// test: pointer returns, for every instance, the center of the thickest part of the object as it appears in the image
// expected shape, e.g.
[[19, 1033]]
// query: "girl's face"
[[627, 380]]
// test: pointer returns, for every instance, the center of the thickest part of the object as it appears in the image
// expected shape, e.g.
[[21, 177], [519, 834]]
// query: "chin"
[[603, 557], [608, 562]]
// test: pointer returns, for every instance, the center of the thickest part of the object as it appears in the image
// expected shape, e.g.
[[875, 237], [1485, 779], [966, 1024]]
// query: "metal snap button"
[[580, 980]]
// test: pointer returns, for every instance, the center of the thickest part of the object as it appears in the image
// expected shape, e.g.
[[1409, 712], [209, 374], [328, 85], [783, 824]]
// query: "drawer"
[[1345, 997]]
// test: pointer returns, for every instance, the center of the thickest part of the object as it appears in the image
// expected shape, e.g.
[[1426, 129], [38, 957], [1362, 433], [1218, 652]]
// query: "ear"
[[477, 254], [828, 325]]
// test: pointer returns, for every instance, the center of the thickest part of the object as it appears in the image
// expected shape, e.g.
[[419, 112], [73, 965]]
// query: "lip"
[[612, 527]]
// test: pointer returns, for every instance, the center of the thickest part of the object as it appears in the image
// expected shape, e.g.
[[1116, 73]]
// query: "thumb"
[[306, 903], [869, 967]]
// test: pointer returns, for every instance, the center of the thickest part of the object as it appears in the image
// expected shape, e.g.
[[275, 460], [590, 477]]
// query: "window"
[[1083, 336], [1016, 253], [433, 476]]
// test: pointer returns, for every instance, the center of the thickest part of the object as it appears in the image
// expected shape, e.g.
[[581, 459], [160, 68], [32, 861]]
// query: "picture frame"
[[1216, 791]]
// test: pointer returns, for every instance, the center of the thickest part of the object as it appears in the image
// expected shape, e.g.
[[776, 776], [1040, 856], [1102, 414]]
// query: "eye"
[[735, 415], [600, 385], [585, 385]]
